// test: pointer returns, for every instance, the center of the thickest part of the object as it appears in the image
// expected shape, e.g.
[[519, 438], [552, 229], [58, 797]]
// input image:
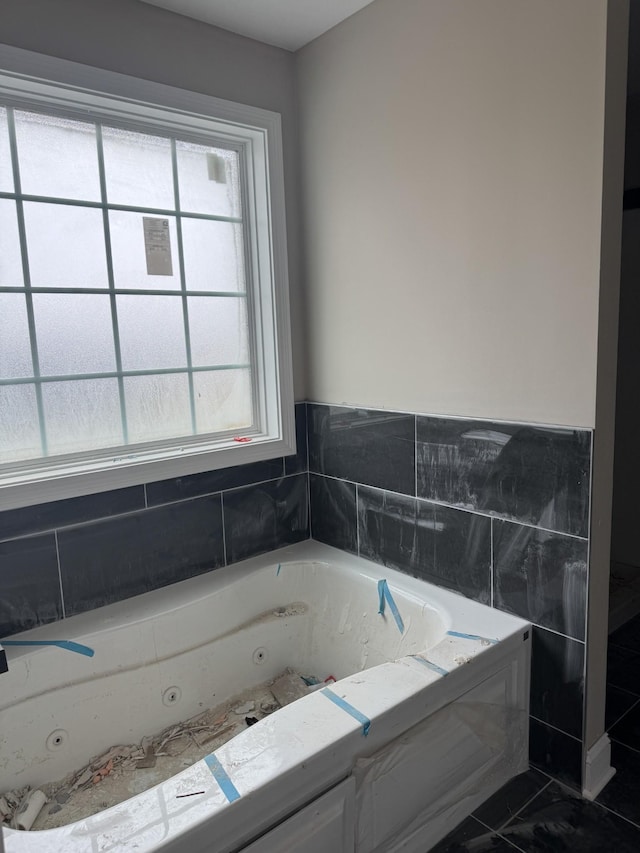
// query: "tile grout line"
[[495, 832], [415, 455], [130, 512], [357, 522], [492, 566], [224, 535], [469, 510], [524, 805], [556, 729], [146, 500], [622, 716], [64, 609]]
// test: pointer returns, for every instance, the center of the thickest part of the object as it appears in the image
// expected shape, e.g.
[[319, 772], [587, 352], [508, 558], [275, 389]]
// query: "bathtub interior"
[[205, 642]]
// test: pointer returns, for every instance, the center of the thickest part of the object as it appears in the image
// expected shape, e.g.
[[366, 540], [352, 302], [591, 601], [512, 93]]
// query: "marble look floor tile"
[[540, 576], [622, 793], [628, 635], [363, 446], [556, 753], [627, 729], [473, 837], [618, 703], [512, 797], [623, 669], [558, 820], [538, 475], [557, 681], [333, 512]]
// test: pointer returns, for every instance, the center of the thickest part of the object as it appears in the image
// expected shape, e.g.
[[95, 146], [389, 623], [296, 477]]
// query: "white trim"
[[597, 769], [62, 84]]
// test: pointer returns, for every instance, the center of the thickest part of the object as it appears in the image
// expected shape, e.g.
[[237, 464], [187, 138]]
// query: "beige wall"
[[144, 41], [452, 161]]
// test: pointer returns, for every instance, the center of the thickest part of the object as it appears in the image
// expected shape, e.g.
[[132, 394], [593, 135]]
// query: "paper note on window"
[[157, 246]]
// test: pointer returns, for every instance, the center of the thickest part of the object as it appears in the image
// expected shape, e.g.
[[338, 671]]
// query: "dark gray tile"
[[111, 560], [446, 546], [627, 729], [539, 475], [623, 669], [541, 576], [333, 512], [299, 463], [618, 703], [628, 635], [210, 482], [34, 519], [557, 681], [559, 820], [504, 804], [472, 837], [265, 517], [622, 794], [556, 753], [364, 446], [29, 584]]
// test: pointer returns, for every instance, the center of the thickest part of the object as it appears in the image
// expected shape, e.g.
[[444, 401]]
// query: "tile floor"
[[535, 814]]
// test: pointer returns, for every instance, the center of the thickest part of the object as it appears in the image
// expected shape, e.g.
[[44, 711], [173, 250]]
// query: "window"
[[143, 294]]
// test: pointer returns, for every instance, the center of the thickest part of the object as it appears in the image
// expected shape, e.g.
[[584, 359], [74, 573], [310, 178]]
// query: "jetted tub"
[[428, 717]]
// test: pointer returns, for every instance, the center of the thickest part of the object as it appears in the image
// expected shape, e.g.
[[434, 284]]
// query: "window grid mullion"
[[126, 208], [111, 280], [112, 374], [183, 285], [35, 358]]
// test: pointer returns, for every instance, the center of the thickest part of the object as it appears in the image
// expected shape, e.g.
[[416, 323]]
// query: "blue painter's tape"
[[68, 645], [222, 778], [471, 637], [384, 594], [431, 665], [342, 703], [279, 567]]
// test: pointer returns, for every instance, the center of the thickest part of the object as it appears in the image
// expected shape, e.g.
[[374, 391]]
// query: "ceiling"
[[284, 23]]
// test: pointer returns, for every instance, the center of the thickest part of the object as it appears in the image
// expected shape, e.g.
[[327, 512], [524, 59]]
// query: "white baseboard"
[[598, 769]]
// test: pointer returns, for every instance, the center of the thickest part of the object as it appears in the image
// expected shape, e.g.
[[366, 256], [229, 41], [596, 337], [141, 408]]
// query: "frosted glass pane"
[[219, 330], [6, 171], [82, 415], [65, 245], [223, 400], [10, 256], [151, 332], [208, 179], [129, 258], [213, 255], [75, 334], [57, 156], [138, 169], [157, 406], [19, 430], [15, 348]]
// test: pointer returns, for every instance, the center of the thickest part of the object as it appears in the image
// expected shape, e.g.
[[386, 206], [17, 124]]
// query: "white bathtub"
[[420, 728]]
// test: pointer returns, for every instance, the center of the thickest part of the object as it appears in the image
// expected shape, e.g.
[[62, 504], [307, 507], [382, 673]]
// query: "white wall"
[[144, 41], [452, 159]]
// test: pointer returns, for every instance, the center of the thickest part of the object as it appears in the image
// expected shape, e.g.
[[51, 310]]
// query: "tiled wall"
[[58, 559], [498, 512]]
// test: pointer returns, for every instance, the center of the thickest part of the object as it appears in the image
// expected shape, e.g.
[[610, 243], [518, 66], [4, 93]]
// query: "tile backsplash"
[[497, 512], [62, 558]]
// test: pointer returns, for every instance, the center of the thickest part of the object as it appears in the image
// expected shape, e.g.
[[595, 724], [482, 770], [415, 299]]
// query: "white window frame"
[[31, 79]]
